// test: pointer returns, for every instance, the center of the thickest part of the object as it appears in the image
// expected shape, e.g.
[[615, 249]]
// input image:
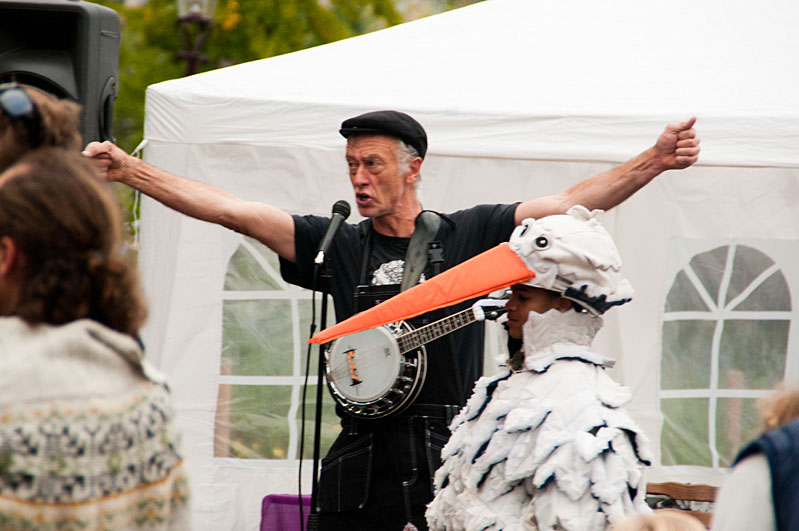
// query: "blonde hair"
[[660, 520], [780, 408]]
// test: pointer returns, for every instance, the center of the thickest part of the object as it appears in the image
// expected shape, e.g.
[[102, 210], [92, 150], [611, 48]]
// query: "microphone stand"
[[313, 517]]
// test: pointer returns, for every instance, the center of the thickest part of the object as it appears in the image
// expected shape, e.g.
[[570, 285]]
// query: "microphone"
[[341, 211]]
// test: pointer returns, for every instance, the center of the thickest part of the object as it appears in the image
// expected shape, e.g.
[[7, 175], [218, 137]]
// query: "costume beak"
[[494, 269]]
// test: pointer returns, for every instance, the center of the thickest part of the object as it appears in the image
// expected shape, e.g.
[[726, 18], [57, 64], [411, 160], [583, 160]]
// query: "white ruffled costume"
[[549, 447]]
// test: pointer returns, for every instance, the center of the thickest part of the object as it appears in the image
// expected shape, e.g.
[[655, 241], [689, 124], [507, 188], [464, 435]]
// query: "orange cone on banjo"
[[489, 271]]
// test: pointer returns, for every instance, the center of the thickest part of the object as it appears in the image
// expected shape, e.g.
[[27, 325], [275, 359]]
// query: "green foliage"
[[245, 30]]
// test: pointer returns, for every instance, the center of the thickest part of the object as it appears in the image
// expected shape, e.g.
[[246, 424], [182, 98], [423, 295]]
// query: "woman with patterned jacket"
[[87, 434]]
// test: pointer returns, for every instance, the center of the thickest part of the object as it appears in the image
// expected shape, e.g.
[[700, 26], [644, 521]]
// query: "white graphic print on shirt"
[[390, 273]]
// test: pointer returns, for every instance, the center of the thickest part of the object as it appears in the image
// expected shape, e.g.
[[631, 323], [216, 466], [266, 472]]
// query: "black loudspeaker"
[[69, 48]]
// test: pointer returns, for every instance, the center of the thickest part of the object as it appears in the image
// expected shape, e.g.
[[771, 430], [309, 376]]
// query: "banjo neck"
[[420, 336]]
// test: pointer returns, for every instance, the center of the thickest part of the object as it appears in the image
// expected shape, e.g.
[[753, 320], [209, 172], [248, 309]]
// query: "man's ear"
[[414, 168], [9, 256]]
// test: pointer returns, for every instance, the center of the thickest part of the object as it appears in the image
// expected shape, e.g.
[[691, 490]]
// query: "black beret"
[[392, 123]]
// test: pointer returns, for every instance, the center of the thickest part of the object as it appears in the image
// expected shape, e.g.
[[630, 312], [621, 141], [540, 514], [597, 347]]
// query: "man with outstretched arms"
[[378, 473]]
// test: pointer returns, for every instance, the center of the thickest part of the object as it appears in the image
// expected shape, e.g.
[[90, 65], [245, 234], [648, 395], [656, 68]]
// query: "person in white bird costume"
[[546, 444]]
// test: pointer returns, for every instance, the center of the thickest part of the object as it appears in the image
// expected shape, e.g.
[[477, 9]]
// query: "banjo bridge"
[[355, 379]]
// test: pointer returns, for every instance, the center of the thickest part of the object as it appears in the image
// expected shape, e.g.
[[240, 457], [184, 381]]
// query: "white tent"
[[520, 98]]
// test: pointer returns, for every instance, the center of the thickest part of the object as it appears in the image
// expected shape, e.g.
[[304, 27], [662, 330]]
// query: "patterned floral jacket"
[[87, 433]]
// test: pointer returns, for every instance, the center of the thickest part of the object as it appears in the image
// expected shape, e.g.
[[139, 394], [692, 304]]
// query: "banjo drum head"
[[364, 366]]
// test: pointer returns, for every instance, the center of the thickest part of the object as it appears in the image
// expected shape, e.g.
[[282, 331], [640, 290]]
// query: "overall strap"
[[427, 223], [366, 250]]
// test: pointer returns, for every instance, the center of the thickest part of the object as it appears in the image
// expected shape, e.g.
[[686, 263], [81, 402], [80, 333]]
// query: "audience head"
[[780, 408], [31, 118], [60, 232], [660, 520]]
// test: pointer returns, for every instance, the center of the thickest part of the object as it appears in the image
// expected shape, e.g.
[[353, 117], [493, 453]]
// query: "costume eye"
[[541, 242]]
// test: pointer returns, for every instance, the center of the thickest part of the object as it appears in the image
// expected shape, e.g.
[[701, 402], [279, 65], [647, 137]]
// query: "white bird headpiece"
[[574, 255]]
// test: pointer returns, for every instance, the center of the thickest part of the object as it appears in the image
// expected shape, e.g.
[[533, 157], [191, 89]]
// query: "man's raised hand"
[[678, 146]]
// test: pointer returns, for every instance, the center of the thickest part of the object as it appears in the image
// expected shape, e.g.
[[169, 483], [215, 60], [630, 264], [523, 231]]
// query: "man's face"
[[375, 174], [526, 299]]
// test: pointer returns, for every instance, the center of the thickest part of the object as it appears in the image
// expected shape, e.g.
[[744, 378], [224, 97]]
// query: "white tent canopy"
[[520, 99], [517, 71]]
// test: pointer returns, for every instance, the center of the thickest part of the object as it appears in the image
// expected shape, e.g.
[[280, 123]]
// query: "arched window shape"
[[726, 327], [263, 363]]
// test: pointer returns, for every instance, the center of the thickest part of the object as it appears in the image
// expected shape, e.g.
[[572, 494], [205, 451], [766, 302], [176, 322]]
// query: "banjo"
[[380, 371]]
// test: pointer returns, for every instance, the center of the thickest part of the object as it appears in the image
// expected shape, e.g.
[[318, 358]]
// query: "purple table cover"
[[281, 512]]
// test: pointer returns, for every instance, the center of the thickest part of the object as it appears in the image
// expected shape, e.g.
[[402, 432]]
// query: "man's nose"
[[359, 176]]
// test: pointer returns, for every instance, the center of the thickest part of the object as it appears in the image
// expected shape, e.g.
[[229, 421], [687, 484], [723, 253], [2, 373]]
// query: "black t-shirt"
[[463, 234]]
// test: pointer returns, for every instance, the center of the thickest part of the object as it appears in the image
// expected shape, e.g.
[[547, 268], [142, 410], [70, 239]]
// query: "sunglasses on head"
[[18, 105]]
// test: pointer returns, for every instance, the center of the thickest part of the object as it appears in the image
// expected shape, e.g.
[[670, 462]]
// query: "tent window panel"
[[737, 423], [747, 356], [252, 421], [772, 295], [748, 264], [330, 422], [684, 439], [685, 363], [757, 349], [683, 296], [304, 307], [709, 268], [244, 273], [257, 338], [265, 252]]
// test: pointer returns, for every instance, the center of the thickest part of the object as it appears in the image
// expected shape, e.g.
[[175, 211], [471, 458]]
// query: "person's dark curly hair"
[[66, 224]]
